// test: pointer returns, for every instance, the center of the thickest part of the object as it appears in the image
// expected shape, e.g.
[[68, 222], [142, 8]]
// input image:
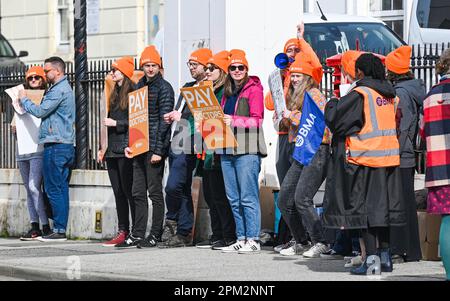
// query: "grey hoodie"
[[411, 94]]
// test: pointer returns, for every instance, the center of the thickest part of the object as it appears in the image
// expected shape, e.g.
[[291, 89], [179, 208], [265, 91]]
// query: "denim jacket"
[[57, 111]]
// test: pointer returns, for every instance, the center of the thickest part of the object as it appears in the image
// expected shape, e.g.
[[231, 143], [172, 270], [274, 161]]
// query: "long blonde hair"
[[220, 82], [295, 96]]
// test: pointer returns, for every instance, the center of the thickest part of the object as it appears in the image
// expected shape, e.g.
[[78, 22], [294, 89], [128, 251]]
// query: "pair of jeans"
[[222, 220], [148, 177], [241, 174], [297, 193], [58, 161], [178, 192], [31, 171], [347, 241], [120, 171]]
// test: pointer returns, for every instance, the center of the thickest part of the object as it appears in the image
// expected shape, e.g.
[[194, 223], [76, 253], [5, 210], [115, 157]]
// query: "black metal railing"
[[423, 64]]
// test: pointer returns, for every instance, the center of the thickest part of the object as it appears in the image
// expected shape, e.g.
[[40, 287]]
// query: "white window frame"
[[391, 15], [66, 5]]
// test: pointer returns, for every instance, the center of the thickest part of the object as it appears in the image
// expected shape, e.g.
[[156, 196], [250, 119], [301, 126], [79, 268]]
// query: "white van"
[[430, 22], [340, 33]]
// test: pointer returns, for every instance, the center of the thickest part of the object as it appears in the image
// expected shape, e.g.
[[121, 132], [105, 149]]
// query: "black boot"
[[46, 230], [371, 266], [386, 260]]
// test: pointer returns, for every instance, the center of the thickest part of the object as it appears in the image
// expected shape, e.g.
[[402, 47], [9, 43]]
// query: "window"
[[63, 22], [327, 39], [434, 14], [5, 48], [396, 26], [155, 19], [386, 5], [391, 12]]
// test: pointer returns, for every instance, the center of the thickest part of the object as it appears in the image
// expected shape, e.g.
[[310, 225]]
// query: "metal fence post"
[[81, 89]]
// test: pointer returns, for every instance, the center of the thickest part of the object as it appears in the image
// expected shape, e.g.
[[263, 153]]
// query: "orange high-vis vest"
[[376, 145]]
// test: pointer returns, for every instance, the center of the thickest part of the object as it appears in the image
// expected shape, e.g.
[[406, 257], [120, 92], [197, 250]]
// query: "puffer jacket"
[[161, 100], [248, 119]]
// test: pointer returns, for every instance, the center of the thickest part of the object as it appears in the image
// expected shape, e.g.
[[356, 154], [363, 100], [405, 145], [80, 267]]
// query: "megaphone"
[[282, 61]]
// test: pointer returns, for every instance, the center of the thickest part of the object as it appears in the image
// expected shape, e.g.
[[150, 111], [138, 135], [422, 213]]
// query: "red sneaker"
[[120, 238]]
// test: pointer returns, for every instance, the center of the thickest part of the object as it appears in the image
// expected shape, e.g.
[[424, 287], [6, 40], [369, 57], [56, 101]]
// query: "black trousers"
[[405, 239], [284, 161], [120, 171], [222, 220], [148, 178]]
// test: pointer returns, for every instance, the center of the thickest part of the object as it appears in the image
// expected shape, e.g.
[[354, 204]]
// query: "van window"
[[6, 49], [433, 14], [328, 39]]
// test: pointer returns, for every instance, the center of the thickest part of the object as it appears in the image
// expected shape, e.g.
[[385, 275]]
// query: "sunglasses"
[[192, 65], [34, 77], [48, 70], [113, 70], [210, 68], [240, 68]]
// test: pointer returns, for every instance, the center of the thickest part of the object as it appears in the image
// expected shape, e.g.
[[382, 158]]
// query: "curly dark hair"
[[443, 65], [371, 65]]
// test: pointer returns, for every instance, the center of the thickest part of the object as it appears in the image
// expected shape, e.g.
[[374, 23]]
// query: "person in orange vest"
[[348, 242], [405, 242], [365, 191]]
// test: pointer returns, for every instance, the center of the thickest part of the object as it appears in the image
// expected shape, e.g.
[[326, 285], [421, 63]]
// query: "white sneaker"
[[251, 247], [284, 246], [354, 262], [316, 250], [296, 249], [234, 248]]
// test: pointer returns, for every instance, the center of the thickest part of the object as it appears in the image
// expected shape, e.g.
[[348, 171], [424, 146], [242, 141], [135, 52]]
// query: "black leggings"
[[370, 237]]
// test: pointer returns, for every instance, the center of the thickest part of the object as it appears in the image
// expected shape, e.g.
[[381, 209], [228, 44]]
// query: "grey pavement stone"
[[59, 261]]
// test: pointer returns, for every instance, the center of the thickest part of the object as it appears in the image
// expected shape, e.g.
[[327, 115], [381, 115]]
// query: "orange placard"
[[104, 110], [207, 111], [138, 121]]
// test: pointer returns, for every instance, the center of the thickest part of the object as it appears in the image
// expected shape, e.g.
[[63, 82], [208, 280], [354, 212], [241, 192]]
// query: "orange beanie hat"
[[125, 65], [238, 57], [398, 61], [221, 60], [303, 64], [36, 70], [348, 61], [292, 42], [201, 56], [150, 55]]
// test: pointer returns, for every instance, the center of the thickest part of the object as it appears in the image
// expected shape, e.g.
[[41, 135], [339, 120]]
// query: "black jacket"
[[185, 129], [117, 136], [411, 94], [358, 196], [161, 100]]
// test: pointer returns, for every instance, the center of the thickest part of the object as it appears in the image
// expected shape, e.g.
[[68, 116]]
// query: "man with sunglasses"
[[182, 160], [57, 134]]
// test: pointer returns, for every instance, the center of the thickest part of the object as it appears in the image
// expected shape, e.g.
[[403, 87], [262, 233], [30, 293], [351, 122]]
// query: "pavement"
[[90, 261]]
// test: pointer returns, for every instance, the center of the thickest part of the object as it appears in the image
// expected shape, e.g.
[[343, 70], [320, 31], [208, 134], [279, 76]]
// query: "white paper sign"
[[344, 89], [13, 93], [277, 89], [27, 127]]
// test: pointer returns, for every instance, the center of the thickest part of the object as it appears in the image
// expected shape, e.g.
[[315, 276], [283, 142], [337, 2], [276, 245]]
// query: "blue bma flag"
[[310, 132]]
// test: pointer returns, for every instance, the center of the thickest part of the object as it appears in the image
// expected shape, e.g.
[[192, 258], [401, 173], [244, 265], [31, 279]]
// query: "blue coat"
[[57, 111]]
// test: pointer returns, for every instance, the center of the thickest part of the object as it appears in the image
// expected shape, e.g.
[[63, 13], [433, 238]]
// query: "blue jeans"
[[178, 192], [58, 160], [241, 175]]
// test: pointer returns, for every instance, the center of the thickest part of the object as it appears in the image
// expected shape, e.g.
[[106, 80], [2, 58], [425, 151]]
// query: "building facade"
[[115, 28]]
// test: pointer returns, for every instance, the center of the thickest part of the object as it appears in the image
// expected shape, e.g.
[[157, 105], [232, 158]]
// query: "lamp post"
[[81, 89]]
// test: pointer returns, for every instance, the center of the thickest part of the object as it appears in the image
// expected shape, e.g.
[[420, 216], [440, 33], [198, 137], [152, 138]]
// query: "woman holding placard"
[[30, 166], [120, 168], [222, 221], [243, 105]]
